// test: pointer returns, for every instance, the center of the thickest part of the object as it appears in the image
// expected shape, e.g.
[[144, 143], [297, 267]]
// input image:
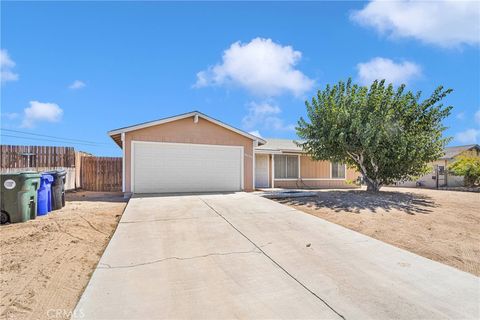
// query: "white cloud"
[[265, 114], [277, 124], [77, 84], [460, 115], [41, 111], [471, 135], [5, 60], [10, 115], [256, 133], [468, 136], [383, 68], [8, 75], [258, 112], [442, 23], [261, 66], [477, 116], [6, 66]]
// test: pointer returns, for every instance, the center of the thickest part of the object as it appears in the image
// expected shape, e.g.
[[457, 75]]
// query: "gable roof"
[[280, 145], [115, 134], [289, 145], [452, 152]]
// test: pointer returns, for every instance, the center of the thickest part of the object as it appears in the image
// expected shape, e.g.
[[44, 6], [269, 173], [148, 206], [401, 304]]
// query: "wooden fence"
[[83, 170], [101, 174], [36, 157]]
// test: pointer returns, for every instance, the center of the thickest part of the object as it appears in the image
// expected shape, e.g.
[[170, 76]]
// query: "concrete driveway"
[[242, 256]]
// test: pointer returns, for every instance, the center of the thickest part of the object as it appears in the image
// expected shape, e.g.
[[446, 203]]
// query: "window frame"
[[297, 156], [344, 171]]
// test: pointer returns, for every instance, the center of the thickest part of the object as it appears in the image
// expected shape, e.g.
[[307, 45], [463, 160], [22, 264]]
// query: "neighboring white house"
[[439, 176]]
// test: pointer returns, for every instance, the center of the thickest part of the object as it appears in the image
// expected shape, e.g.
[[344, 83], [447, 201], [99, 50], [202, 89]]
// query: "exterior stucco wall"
[[186, 131], [311, 169], [352, 174], [313, 184], [429, 180]]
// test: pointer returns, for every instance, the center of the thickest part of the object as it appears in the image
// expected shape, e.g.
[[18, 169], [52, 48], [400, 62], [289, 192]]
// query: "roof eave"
[[278, 151], [183, 116]]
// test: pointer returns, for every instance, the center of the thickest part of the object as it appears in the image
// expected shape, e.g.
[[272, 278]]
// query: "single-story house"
[[439, 175], [281, 163], [193, 152]]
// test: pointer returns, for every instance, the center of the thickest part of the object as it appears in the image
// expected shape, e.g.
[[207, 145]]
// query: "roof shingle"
[[281, 145], [452, 152]]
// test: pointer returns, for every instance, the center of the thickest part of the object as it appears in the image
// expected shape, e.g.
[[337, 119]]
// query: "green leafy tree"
[[469, 168], [388, 135]]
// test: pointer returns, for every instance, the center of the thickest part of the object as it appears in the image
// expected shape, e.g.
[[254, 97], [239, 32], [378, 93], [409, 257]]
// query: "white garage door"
[[179, 167]]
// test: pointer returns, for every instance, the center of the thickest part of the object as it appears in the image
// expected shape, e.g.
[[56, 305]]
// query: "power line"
[[48, 136], [40, 139], [55, 137]]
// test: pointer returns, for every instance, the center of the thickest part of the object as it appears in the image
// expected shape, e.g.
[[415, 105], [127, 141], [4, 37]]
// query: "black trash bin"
[[58, 188]]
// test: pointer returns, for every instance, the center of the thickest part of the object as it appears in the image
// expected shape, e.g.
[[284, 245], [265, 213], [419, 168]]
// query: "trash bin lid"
[[56, 173], [30, 174], [47, 177], [20, 176], [61, 173], [52, 173]]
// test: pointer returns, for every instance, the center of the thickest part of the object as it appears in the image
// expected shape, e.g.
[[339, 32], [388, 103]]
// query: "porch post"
[[123, 161], [273, 170], [299, 176], [255, 144]]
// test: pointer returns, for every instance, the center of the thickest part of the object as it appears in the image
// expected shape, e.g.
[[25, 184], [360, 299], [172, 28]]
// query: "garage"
[[191, 152], [180, 167]]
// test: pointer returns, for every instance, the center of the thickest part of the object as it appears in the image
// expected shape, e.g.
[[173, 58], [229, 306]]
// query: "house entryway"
[[262, 169]]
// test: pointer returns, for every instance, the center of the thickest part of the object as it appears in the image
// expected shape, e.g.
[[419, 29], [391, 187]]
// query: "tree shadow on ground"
[[356, 200]]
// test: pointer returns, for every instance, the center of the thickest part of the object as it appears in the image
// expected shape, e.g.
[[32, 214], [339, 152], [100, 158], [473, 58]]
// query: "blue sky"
[[76, 70]]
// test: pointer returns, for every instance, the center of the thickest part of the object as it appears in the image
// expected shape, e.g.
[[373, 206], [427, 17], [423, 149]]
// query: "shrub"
[[469, 168]]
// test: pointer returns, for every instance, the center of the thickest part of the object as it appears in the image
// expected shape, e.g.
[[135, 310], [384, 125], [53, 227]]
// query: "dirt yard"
[[440, 225], [47, 262]]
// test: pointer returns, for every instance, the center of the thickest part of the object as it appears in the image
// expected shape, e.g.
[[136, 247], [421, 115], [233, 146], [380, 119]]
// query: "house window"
[[441, 170], [338, 170], [286, 167]]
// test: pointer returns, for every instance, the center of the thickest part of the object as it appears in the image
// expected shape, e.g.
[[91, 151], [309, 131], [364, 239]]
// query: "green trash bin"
[[18, 198]]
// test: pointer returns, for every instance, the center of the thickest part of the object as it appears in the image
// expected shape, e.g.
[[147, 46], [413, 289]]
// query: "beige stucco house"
[[439, 175], [281, 163], [193, 152]]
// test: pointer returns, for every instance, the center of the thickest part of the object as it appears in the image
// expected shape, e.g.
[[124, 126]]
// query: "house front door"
[[261, 171]]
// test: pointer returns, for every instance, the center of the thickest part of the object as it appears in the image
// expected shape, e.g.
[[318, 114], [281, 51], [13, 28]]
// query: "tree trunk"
[[372, 185], [469, 181]]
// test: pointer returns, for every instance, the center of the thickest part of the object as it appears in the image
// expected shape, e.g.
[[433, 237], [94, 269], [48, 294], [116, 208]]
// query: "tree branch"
[[375, 167]]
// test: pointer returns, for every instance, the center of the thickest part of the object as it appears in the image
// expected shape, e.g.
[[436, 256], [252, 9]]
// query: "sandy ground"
[[47, 262], [439, 225]]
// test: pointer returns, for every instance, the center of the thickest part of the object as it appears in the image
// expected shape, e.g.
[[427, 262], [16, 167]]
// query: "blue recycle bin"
[[44, 195]]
